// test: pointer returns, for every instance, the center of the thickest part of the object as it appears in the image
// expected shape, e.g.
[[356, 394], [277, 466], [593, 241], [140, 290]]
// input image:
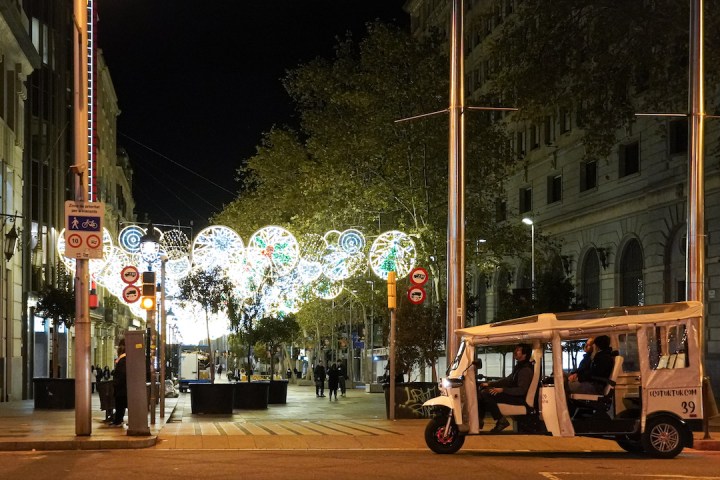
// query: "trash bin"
[[107, 397]]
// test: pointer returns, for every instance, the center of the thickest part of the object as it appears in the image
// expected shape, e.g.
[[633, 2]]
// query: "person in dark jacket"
[[333, 380], [586, 361], [319, 375], [120, 385], [593, 380], [511, 389]]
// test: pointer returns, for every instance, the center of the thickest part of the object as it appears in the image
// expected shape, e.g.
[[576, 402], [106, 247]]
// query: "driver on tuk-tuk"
[[511, 389]]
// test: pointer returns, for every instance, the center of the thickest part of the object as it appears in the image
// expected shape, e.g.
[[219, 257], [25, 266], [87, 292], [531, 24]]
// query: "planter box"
[[278, 391], [54, 393], [409, 398], [251, 395], [214, 399]]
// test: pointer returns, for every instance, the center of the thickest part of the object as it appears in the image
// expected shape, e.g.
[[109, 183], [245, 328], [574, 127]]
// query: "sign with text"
[[84, 229]]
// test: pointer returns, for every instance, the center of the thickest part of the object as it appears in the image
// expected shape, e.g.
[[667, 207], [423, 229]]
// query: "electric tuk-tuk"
[[651, 403]]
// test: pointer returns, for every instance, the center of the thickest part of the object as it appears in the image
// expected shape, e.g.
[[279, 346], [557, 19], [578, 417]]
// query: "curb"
[[708, 445], [78, 444]]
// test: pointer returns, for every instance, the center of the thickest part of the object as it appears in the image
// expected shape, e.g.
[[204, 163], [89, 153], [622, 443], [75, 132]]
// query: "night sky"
[[199, 81]]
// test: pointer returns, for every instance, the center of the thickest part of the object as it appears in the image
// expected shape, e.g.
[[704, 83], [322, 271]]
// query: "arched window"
[[591, 280], [632, 286]]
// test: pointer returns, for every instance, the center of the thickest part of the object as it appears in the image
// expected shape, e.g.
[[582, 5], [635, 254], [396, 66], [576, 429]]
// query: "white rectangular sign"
[[84, 229]]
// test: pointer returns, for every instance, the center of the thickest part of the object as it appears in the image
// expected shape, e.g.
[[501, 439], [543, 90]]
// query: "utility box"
[[137, 392]]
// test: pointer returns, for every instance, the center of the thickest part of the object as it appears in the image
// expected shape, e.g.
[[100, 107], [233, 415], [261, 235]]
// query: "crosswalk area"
[[282, 427]]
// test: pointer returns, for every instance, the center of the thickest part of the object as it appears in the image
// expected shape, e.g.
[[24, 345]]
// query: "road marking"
[[554, 475]]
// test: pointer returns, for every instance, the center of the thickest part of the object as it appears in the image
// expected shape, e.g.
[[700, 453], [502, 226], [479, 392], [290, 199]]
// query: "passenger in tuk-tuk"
[[586, 361], [510, 390], [594, 379]]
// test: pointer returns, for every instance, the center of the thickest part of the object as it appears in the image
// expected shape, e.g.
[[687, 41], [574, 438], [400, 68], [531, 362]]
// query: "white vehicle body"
[[658, 379]]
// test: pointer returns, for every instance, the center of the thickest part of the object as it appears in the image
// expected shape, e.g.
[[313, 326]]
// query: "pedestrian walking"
[[93, 379], [319, 374], [120, 385], [333, 380], [342, 378]]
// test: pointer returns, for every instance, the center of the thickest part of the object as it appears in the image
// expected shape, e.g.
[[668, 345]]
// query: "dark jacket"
[[333, 377], [600, 369], [319, 373], [584, 366], [518, 382], [120, 377]]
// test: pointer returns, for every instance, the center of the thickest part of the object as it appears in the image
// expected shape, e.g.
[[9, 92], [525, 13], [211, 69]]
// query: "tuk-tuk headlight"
[[452, 382]]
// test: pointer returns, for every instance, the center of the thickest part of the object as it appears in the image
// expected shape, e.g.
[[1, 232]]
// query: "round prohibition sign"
[[419, 276], [94, 241], [131, 294], [129, 274], [416, 295], [74, 240]]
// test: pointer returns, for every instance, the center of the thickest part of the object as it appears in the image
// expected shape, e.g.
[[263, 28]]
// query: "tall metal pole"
[[532, 260], [162, 332], [83, 420], [456, 186], [696, 182]]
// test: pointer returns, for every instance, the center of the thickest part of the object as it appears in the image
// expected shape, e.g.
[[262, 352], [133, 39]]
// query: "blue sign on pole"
[[84, 224]]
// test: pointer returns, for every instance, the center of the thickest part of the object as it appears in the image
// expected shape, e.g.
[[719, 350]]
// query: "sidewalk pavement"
[[306, 422]]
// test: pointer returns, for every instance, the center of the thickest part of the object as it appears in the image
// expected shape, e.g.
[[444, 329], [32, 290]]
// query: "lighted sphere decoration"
[[327, 289], [393, 250], [175, 244], [109, 276], [129, 239], [352, 241], [151, 252], [177, 269], [309, 266], [249, 271], [216, 246], [279, 245]]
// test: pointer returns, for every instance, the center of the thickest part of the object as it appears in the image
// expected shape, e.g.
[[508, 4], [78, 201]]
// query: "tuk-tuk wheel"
[[436, 439], [663, 437]]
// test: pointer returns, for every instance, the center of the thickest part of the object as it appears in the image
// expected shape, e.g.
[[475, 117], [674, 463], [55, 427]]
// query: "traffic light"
[[392, 292], [148, 298]]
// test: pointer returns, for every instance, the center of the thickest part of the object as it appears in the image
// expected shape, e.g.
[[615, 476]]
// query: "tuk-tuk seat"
[[509, 410], [607, 395]]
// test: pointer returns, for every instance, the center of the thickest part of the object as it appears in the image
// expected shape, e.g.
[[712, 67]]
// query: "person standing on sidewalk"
[[319, 374], [120, 385], [333, 380], [343, 377]]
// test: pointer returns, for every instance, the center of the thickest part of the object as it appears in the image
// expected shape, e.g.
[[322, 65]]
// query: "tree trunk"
[[55, 370], [210, 350]]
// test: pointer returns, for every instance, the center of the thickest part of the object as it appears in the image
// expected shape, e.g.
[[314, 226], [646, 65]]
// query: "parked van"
[[652, 401]]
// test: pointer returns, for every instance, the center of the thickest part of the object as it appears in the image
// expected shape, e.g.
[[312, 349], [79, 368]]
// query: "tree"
[[212, 291], [602, 58], [244, 315], [274, 332], [348, 146], [58, 304], [420, 335]]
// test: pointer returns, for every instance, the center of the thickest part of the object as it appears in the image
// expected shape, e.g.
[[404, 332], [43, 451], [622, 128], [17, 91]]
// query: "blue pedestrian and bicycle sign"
[[84, 229]]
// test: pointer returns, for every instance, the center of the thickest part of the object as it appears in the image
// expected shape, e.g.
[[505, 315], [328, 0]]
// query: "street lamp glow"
[[527, 221]]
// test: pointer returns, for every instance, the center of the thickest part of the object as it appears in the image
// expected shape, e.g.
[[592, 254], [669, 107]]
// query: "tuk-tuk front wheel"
[[437, 439], [663, 437]]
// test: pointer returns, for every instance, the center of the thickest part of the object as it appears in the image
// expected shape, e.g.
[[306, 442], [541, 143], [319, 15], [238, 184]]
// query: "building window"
[[591, 280], [525, 204], [632, 287], [520, 144], [677, 137], [629, 159], [565, 120], [588, 175], [549, 130], [554, 189], [534, 136], [500, 210]]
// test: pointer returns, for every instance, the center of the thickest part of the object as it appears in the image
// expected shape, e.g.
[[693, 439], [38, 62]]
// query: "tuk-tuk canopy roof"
[[580, 323]]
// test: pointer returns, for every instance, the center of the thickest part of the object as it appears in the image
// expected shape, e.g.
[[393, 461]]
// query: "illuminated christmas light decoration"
[[327, 289], [175, 244], [392, 251], [177, 269], [279, 245], [249, 271], [216, 246], [129, 238], [352, 241], [96, 264]]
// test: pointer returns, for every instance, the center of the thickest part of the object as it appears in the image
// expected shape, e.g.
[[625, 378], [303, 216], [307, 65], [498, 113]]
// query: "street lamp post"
[[149, 248], [528, 221]]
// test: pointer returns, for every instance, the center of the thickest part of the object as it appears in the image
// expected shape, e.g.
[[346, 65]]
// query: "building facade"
[[619, 223]]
